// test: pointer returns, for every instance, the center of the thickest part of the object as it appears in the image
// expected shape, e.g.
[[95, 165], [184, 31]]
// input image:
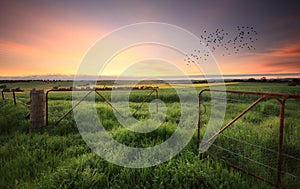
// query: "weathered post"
[[2, 95], [14, 95], [37, 110]]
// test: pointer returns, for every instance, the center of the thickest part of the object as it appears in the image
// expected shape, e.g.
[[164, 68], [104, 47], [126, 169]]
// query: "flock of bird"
[[221, 40]]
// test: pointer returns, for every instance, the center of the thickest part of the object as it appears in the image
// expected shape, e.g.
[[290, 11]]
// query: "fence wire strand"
[[261, 122]]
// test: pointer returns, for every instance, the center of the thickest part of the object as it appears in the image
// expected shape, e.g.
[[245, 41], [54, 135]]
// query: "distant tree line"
[[290, 81], [294, 82], [5, 89], [35, 80]]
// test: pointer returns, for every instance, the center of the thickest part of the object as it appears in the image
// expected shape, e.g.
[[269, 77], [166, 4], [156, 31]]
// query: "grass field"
[[60, 158]]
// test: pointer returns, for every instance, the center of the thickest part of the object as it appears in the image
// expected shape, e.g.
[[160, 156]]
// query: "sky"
[[52, 37]]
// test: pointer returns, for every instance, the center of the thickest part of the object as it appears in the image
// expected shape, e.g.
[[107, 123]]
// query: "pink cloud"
[[290, 48]]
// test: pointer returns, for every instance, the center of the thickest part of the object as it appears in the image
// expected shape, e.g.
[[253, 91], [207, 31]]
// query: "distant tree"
[[263, 79], [236, 80], [18, 89], [251, 80], [297, 81], [292, 83]]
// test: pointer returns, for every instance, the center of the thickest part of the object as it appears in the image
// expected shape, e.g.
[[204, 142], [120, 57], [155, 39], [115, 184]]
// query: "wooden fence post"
[[37, 110], [2, 95], [14, 95]]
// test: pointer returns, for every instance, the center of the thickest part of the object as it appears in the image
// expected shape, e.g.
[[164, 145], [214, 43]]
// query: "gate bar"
[[96, 90], [109, 103], [62, 117], [145, 99], [280, 97], [280, 139], [234, 120]]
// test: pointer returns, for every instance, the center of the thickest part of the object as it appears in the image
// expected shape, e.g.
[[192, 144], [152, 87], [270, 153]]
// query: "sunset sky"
[[52, 37]]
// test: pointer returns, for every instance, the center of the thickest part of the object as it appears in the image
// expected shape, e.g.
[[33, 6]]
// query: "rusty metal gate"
[[98, 92], [254, 140]]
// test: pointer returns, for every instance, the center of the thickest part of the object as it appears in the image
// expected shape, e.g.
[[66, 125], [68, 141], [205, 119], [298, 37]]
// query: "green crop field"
[[60, 158]]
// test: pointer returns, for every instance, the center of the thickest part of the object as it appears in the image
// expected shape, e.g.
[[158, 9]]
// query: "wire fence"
[[251, 144], [255, 143]]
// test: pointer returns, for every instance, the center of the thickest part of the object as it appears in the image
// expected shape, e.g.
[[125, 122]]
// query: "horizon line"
[[109, 77]]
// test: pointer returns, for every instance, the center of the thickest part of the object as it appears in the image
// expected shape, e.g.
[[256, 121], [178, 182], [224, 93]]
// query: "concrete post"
[[37, 110]]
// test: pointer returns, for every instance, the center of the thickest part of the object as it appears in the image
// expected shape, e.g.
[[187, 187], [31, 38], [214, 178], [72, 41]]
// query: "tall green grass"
[[60, 158]]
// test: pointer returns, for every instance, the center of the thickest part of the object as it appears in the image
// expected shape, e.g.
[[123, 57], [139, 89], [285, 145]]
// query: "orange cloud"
[[285, 58], [283, 66], [57, 50], [282, 59], [42, 43], [289, 50], [23, 59]]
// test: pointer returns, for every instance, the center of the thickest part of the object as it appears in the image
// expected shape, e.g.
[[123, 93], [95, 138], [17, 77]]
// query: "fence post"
[[14, 95], [199, 120], [280, 141], [2, 95], [156, 96], [37, 110]]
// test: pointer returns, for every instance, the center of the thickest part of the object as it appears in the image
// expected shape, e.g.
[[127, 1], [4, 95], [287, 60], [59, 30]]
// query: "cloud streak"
[[290, 49]]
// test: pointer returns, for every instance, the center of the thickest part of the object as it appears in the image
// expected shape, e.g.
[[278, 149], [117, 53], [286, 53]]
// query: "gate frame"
[[152, 90], [280, 97]]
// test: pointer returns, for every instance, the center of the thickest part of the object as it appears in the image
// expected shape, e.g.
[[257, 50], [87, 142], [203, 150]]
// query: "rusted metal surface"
[[62, 90], [254, 93], [199, 118], [62, 117], [281, 98], [251, 174], [280, 139], [145, 99], [105, 100], [233, 120], [96, 91]]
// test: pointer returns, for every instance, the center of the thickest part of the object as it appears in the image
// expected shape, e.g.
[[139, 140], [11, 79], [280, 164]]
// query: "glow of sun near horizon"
[[47, 37]]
